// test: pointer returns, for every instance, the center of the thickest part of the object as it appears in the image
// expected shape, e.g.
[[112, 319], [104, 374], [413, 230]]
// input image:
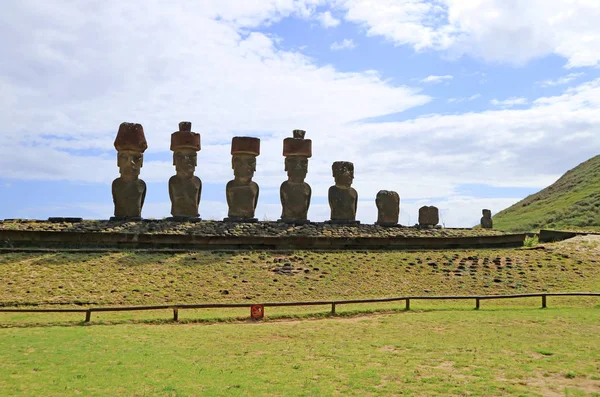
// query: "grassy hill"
[[126, 278], [571, 202]]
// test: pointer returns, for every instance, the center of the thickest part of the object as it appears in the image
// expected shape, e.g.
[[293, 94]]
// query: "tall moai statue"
[[128, 191], [184, 187], [486, 219], [388, 208], [295, 193], [343, 199], [429, 217], [242, 192]]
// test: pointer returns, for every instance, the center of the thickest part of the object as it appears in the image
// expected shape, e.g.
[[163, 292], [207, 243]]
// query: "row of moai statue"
[[242, 192]]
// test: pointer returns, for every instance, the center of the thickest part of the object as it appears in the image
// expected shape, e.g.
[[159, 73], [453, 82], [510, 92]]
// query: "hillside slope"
[[573, 201]]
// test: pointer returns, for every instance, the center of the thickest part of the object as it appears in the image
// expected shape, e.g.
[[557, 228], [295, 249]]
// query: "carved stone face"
[[343, 173], [296, 167], [244, 165], [185, 161], [130, 162], [487, 213]]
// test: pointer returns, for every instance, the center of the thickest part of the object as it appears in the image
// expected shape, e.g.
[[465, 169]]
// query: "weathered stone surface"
[[242, 192], [486, 219], [245, 145], [128, 191], [217, 228], [388, 207], [428, 216], [343, 199], [185, 188], [131, 137], [295, 194]]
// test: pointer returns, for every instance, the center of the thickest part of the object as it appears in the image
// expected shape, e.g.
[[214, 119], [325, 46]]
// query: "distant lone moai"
[[388, 208], [185, 188], [295, 193], [343, 199], [128, 191], [429, 217], [242, 192], [486, 219]]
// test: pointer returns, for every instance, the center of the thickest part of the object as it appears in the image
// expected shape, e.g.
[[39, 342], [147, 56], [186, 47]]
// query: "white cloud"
[[495, 30], [560, 81], [467, 99], [436, 79], [346, 44], [327, 20], [510, 102], [82, 73]]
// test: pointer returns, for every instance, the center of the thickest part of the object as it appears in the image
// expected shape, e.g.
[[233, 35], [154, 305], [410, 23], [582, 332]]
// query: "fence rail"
[[407, 299]]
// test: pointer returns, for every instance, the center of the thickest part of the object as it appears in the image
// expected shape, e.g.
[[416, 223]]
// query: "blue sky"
[[462, 105]]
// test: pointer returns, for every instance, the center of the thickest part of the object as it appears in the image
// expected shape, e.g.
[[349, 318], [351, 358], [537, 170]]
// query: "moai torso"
[[128, 196], [128, 191], [295, 200], [185, 188], [185, 196], [486, 219], [343, 202], [343, 199], [242, 191], [429, 216], [242, 199], [388, 207]]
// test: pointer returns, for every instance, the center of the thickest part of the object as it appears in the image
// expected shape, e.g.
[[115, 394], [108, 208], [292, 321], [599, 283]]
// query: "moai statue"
[[388, 208], [184, 187], [128, 191], [343, 199], [429, 217], [486, 219], [242, 192], [295, 193]]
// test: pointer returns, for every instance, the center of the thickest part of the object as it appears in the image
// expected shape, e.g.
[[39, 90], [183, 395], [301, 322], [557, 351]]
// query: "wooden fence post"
[[543, 301], [407, 304], [88, 316], [333, 308], [175, 314], [476, 303]]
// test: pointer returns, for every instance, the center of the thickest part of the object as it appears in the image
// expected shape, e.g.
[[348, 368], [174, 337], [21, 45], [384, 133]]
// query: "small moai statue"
[[388, 208], [295, 193], [343, 198], [128, 191], [486, 219], [429, 217], [184, 187], [242, 192]]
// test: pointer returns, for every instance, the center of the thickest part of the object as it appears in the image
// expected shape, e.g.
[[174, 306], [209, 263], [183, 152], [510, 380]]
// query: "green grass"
[[134, 279], [571, 202], [507, 348], [448, 352]]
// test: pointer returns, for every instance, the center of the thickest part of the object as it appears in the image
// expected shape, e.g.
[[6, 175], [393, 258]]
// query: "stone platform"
[[227, 235]]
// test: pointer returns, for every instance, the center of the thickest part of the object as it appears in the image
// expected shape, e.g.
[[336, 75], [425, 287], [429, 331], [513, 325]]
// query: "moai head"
[[244, 151], [297, 151], [131, 145], [185, 145], [486, 213], [343, 173], [388, 206]]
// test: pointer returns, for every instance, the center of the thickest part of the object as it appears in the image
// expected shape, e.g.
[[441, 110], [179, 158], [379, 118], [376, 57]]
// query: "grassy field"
[[508, 348], [573, 201], [493, 352]]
